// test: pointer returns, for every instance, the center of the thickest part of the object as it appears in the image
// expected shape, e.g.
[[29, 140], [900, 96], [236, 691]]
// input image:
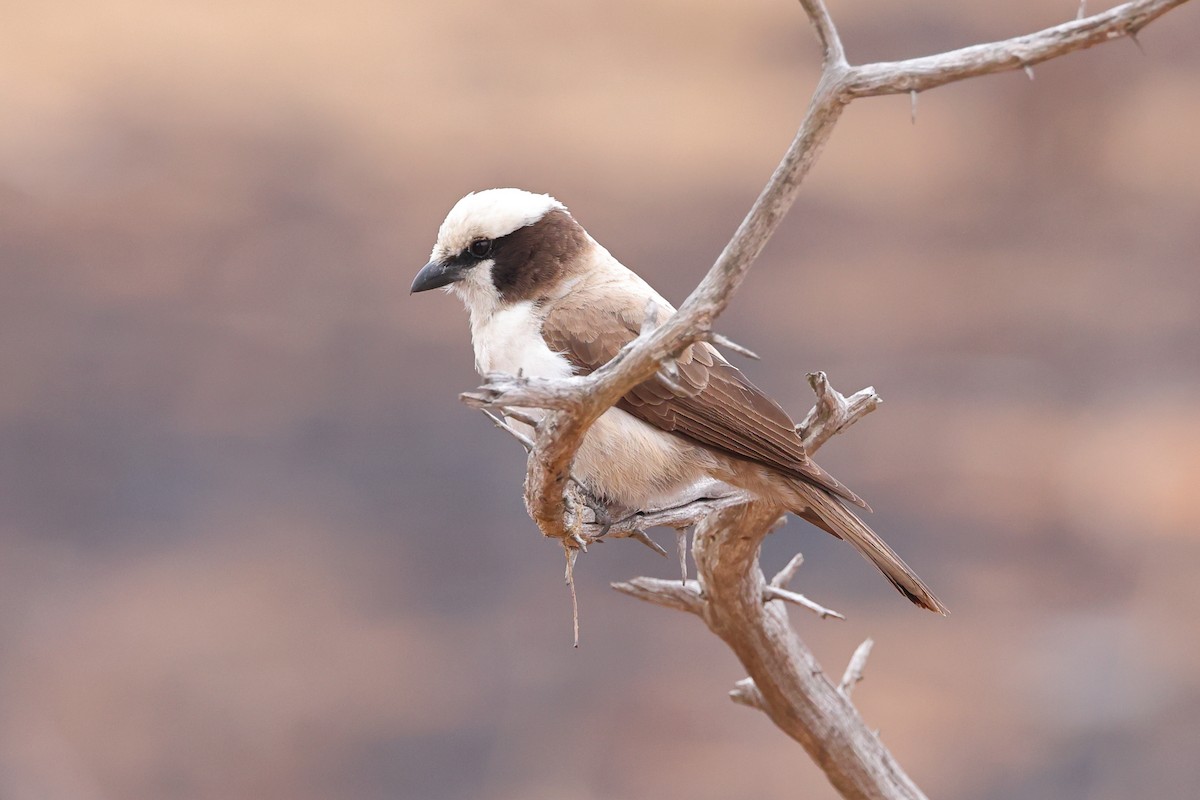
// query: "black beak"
[[435, 275]]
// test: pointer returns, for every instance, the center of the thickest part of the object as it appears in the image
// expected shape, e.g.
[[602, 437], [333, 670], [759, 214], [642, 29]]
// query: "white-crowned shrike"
[[546, 300]]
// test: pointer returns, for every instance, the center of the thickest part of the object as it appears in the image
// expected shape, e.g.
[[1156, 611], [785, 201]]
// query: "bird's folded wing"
[[711, 403]]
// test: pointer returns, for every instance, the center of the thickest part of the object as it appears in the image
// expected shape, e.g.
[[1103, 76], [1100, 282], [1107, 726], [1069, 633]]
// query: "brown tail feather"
[[830, 515]]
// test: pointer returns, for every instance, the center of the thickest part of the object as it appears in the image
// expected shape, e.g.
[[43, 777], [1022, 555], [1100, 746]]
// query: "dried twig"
[[854, 670], [682, 596], [776, 593], [785, 575], [681, 552], [500, 423], [729, 344], [833, 412]]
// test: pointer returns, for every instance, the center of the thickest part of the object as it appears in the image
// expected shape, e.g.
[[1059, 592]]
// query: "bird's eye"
[[480, 248]]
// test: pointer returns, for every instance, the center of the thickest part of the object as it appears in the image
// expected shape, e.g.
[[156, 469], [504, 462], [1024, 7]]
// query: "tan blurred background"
[[251, 546]]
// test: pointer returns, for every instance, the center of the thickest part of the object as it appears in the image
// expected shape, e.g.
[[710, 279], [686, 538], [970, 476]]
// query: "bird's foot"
[[604, 516]]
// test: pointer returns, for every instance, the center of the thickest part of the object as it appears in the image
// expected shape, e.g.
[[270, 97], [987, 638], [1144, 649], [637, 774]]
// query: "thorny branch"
[[785, 681], [575, 403]]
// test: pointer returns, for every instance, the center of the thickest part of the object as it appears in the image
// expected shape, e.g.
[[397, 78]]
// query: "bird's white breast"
[[510, 340]]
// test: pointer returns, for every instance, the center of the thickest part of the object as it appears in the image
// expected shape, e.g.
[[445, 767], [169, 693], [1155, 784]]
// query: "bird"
[[546, 300]]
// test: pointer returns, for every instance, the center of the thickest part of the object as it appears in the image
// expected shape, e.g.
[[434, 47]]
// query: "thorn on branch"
[[520, 415], [669, 375], [854, 670], [729, 344], [681, 551], [1028, 70], [746, 693], [777, 593], [1133, 37], [912, 95], [642, 537], [628, 530], [1082, 12], [503, 425]]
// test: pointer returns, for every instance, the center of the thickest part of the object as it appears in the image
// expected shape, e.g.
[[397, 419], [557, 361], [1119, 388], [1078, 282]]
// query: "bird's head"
[[502, 246]]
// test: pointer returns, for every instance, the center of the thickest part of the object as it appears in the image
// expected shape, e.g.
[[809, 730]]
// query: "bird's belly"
[[638, 466], [632, 464]]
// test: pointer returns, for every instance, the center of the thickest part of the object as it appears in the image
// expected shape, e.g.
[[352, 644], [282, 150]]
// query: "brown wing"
[[720, 408]]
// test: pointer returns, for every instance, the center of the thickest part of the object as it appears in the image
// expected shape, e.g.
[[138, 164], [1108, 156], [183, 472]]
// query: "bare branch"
[[827, 33], [920, 74], [776, 593], [683, 516], [833, 412], [789, 686], [500, 390], [854, 670], [785, 575], [683, 596]]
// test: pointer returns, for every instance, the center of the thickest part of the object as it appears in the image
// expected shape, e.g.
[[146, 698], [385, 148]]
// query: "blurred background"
[[252, 546]]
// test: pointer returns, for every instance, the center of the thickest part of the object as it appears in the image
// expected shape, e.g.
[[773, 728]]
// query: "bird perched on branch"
[[546, 300]]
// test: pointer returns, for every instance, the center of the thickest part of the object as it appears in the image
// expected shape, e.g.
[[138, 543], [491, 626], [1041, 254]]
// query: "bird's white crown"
[[490, 214]]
